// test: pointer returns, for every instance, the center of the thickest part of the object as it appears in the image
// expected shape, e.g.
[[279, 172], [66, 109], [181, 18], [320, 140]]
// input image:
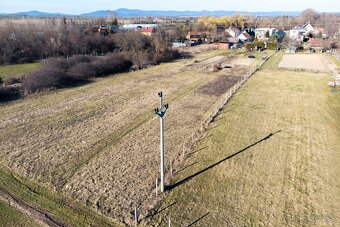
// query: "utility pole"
[[161, 112]]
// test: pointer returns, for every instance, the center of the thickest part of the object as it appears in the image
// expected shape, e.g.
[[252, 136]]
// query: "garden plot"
[[99, 143], [308, 62]]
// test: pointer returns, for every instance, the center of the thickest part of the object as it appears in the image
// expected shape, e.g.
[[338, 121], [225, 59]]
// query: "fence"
[[189, 143]]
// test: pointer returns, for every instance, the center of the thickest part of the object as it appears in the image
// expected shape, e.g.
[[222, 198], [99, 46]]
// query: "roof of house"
[[314, 42], [279, 33], [147, 29], [233, 40]]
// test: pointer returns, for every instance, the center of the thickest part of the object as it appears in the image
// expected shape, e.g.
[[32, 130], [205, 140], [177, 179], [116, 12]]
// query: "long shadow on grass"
[[170, 187], [193, 223]]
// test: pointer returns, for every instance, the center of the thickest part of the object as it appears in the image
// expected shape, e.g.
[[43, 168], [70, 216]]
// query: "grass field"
[[99, 143], [336, 61], [11, 217], [62, 209], [271, 158], [17, 70]]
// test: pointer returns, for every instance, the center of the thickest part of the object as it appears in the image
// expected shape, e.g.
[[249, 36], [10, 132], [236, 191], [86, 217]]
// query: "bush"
[[82, 71], [166, 56], [42, 80], [272, 46], [114, 63], [12, 80], [8, 94], [249, 46], [60, 73]]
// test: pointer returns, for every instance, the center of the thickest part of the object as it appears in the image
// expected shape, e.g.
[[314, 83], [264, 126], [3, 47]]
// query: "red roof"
[[314, 42], [147, 29]]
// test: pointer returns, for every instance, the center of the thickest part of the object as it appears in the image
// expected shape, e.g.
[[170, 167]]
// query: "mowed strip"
[[271, 158]]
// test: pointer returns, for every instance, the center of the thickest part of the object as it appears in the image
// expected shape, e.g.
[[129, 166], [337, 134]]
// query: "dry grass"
[[309, 62], [99, 143], [270, 159]]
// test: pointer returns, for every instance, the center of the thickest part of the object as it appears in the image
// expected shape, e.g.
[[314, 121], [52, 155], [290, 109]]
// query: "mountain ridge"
[[122, 12]]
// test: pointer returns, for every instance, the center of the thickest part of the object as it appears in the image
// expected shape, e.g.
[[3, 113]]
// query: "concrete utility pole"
[[161, 112]]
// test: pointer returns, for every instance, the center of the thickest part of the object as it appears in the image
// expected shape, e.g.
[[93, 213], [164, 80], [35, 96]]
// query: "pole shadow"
[[197, 151], [193, 223], [159, 211], [180, 170], [170, 187]]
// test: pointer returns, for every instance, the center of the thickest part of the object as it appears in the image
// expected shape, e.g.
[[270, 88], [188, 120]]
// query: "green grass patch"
[[11, 217], [335, 60], [63, 209], [18, 69], [273, 62]]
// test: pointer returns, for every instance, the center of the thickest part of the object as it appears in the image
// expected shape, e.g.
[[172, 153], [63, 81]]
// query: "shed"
[[223, 45]]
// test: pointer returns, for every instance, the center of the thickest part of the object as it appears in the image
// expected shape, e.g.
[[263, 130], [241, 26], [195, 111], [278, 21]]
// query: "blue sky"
[[84, 6]]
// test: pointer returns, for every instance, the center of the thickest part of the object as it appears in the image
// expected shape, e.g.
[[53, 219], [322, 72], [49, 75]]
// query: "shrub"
[[41, 80], [166, 56], [81, 71], [8, 94], [249, 46], [59, 73], [272, 46], [12, 80], [114, 63]]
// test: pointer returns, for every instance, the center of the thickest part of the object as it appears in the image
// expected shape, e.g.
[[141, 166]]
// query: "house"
[[229, 43], [147, 30], [198, 37], [297, 34], [278, 35], [244, 37], [232, 32], [264, 33], [315, 45], [300, 33], [308, 27]]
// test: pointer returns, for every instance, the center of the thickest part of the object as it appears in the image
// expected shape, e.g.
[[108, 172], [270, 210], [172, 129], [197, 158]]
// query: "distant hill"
[[34, 14], [154, 13], [141, 13]]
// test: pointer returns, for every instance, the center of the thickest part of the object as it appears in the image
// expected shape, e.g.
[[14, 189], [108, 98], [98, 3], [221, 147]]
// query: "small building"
[[278, 35], [223, 45], [147, 30], [244, 37], [301, 33], [315, 45], [264, 33], [180, 44], [232, 32]]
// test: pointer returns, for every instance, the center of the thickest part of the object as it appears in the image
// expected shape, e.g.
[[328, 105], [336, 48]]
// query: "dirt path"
[[39, 216]]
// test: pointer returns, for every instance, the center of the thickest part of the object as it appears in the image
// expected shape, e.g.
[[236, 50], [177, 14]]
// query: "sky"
[[85, 6]]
